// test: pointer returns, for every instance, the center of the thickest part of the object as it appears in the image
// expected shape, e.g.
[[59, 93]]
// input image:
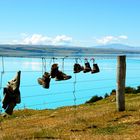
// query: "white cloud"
[[123, 37], [39, 39], [61, 39], [111, 39], [36, 39], [105, 40]]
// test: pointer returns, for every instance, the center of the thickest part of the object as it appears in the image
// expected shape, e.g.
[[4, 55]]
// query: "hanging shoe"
[[54, 70], [45, 80], [87, 67], [62, 76], [95, 69], [78, 68]]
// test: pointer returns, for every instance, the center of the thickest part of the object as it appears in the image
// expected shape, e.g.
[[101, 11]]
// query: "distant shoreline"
[[54, 51]]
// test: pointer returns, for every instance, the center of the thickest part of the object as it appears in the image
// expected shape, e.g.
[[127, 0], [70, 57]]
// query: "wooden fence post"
[[121, 75]]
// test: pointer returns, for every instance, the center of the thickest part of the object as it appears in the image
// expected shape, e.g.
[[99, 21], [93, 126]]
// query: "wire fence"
[[75, 91]]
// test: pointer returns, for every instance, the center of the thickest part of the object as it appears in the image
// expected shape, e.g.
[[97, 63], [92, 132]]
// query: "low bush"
[[94, 99]]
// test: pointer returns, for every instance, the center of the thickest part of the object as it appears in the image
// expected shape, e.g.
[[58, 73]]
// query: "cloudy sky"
[[70, 22]]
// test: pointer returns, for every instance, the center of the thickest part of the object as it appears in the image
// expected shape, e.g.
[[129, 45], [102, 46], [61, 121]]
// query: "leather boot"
[[95, 69], [45, 80], [54, 70], [62, 76], [78, 68], [87, 67]]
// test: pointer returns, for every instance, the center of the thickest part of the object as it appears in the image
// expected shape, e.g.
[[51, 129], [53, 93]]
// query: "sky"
[[70, 22]]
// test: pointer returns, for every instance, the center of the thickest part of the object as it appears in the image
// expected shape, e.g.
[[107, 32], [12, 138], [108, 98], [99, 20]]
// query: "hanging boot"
[[62, 76], [12, 94], [10, 107], [57, 74], [45, 80], [87, 67], [95, 69], [78, 68], [54, 70], [14, 83]]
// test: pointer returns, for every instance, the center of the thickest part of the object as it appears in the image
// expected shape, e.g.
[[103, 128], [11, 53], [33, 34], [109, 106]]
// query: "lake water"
[[80, 88]]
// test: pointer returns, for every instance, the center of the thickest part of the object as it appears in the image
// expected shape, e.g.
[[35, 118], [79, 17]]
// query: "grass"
[[98, 121]]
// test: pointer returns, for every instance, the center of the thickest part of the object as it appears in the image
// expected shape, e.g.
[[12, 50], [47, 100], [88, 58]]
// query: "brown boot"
[[54, 70], [95, 69], [45, 80], [87, 67], [62, 76], [78, 68]]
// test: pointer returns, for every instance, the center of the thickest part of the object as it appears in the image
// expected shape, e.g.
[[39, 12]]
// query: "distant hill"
[[51, 50], [118, 47]]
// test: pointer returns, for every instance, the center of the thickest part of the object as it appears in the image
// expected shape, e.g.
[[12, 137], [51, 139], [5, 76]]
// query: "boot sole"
[[63, 79]]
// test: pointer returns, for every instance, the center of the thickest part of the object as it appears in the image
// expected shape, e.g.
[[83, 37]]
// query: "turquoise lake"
[[80, 88]]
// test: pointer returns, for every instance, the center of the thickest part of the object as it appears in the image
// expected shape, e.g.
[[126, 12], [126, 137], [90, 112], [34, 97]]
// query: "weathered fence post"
[[121, 74]]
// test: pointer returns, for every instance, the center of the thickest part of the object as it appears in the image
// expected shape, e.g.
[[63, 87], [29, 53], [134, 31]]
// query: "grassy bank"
[[98, 120]]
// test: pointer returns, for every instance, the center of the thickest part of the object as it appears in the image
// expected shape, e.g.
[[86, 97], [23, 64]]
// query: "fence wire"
[[74, 84]]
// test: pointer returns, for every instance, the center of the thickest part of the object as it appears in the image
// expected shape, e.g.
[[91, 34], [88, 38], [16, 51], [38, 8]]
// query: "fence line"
[[73, 82]]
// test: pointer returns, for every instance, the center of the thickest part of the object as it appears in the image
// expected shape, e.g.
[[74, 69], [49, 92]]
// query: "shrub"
[[138, 89], [94, 99], [106, 95], [130, 90], [113, 92]]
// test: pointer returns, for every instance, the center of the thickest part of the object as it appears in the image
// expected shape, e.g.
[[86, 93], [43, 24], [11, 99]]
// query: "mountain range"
[[52, 50]]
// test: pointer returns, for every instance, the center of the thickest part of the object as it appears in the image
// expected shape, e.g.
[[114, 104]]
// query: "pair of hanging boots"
[[78, 68], [57, 74], [88, 68], [45, 80]]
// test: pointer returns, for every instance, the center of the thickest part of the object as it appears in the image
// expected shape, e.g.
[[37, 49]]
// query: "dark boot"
[[87, 67], [78, 68], [10, 107], [7, 97], [62, 76], [45, 80], [54, 70], [5, 101], [95, 69]]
